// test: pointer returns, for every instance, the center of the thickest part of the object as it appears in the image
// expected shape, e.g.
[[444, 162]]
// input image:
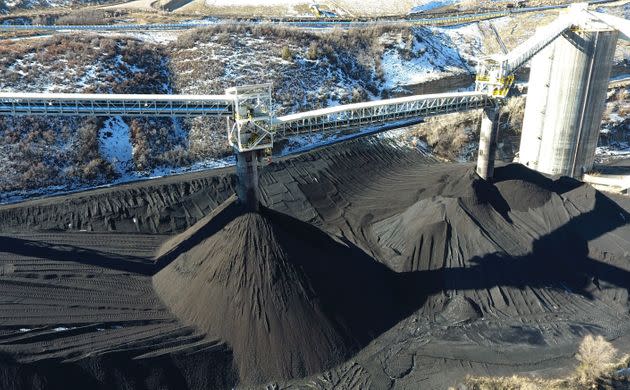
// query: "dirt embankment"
[[442, 85]]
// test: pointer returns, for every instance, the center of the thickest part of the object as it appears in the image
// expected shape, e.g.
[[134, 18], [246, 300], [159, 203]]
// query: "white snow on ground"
[[437, 53], [115, 144], [11, 4], [466, 39], [427, 5], [502, 21], [615, 118], [400, 73], [227, 3], [403, 139], [157, 37], [615, 149], [376, 7]]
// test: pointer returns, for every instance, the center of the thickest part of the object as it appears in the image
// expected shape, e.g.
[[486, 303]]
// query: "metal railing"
[[350, 116]]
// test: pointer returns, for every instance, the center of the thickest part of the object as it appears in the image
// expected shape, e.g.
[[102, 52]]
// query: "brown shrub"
[[98, 169], [80, 17], [38, 174], [286, 53], [514, 109], [596, 359], [596, 356]]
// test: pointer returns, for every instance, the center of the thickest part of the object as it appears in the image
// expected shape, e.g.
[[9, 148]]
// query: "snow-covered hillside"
[[339, 7], [308, 71], [40, 151], [432, 54], [321, 69]]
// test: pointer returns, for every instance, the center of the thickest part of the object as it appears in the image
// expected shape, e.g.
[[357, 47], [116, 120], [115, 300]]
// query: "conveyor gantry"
[[251, 123]]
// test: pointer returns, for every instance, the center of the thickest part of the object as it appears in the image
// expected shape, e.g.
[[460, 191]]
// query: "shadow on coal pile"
[[64, 252], [292, 301], [559, 258], [121, 370], [289, 300]]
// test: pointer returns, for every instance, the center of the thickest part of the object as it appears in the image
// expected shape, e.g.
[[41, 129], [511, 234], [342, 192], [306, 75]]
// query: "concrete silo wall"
[[533, 122], [565, 102]]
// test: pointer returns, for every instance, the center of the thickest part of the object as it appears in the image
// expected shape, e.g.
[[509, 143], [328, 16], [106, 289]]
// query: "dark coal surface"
[[165, 206], [287, 299], [77, 310], [409, 273]]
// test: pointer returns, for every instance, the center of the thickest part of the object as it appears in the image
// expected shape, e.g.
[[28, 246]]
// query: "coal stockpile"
[[288, 299], [369, 266]]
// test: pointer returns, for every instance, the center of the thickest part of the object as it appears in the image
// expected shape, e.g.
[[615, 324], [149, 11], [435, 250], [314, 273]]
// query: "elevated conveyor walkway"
[[76, 104]]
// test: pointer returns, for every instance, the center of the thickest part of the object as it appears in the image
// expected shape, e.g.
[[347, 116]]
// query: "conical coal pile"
[[277, 290]]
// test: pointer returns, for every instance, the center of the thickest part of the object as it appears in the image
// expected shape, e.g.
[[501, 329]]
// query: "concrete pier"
[[247, 188], [488, 142], [565, 102]]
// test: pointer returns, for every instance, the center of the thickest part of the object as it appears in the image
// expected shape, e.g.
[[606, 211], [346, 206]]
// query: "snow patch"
[[403, 139], [431, 57], [257, 3], [62, 328], [115, 144], [466, 39], [157, 37], [615, 149], [428, 5]]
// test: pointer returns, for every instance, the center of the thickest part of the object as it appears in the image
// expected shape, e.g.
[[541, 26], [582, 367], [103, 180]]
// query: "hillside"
[[8, 6], [319, 71], [38, 151]]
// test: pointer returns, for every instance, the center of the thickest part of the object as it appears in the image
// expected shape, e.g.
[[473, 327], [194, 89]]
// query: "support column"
[[488, 142], [247, 172]]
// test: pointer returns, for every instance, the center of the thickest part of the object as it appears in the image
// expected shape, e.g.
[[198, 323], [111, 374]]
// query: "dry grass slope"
[[597, 369]]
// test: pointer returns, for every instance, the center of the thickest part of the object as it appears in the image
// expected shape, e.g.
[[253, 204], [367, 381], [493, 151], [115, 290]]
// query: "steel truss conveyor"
[[378, 113], [74, 104]]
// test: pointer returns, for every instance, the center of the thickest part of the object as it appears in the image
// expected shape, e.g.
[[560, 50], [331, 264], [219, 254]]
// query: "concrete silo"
[[565, 101]]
